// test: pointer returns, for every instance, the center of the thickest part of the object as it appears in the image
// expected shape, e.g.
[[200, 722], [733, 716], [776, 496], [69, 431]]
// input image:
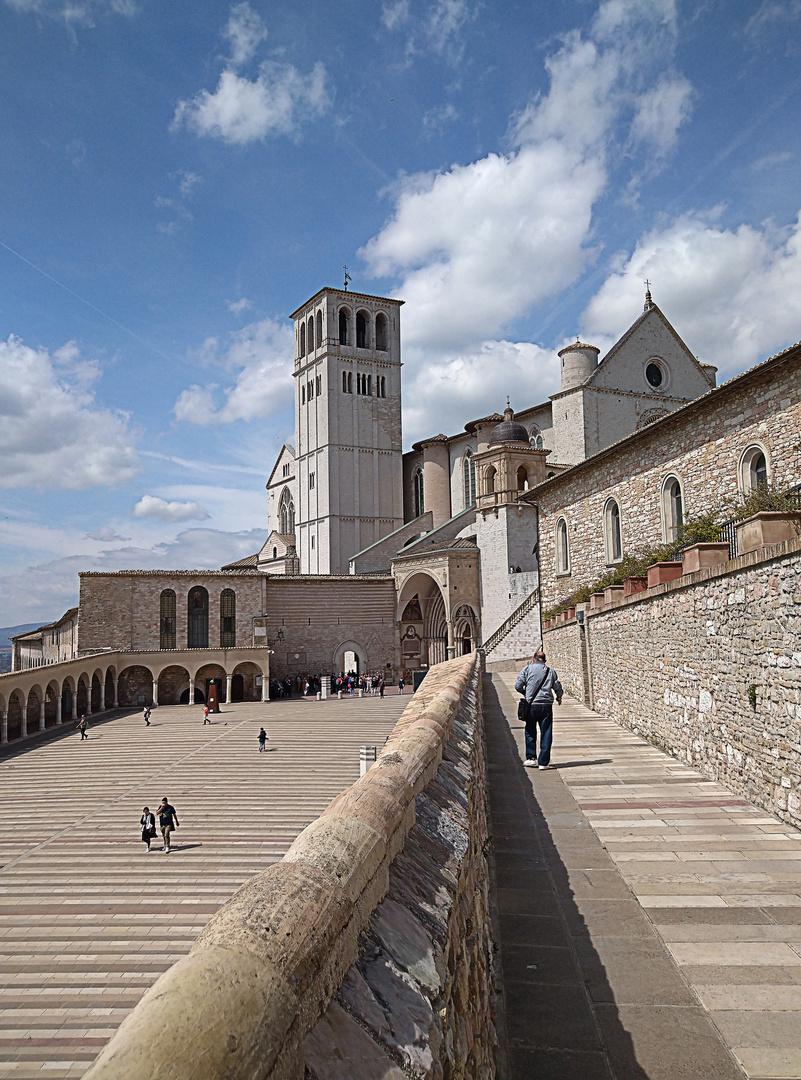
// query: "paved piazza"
[[88, 919]]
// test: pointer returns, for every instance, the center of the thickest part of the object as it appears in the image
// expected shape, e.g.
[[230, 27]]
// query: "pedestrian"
[[401, 685], [147, 716], [168, 820], [538, 684], [82, 726], [262, 740], [381, 685], [206, 719], [148, 823]]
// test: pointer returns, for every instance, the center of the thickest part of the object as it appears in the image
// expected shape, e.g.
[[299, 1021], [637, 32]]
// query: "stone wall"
[[367, 950], [707, 667], [701, 444]]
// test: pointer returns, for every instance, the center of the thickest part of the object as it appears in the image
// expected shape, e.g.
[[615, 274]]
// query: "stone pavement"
[[88, 920], [650, 921]]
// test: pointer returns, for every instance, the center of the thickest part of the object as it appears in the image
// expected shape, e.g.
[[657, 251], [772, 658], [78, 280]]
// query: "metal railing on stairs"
[[517, 616]]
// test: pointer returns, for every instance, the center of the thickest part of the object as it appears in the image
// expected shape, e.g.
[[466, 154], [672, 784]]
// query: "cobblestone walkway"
[[678, 908], [87, 919]]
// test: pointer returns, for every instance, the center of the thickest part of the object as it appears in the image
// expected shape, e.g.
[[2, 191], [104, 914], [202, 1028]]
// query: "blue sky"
[[177, 178]]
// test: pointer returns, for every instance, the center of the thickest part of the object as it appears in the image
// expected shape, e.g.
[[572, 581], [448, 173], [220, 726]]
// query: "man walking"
[[82, 726], [539, 685], [206, 718], [168, 820]]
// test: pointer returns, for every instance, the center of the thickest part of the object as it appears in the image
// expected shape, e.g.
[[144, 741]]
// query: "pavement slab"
[[88, 919], [678, 899]]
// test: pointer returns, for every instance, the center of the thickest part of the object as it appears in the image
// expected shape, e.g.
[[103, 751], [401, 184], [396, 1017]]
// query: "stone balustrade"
[[367, 948]]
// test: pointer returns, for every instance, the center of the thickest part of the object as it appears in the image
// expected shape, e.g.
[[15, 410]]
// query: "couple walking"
[[538, 684], [168, 820]]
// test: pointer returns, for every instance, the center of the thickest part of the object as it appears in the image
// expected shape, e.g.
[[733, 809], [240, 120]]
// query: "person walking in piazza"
[[146, 716], [206, 719], [168, 820], [538, 684], [262, 740], [401, 685], [82, 726], [148, 824]]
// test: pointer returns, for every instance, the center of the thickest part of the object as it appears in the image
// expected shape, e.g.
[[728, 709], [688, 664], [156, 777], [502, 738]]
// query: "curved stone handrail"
[[265, 967]]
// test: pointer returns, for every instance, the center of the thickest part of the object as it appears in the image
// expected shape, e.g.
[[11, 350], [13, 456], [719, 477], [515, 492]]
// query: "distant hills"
[[6, 634]]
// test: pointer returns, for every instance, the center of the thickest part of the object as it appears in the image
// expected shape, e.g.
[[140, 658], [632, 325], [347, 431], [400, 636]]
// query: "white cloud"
[[260, 358], [436, 119], [151, 506], [445, 22], [236, 307], [242, 110], [661, 111], [245, 31], [107, 535], [434, 26], [52, 435], [395, 15], [73, 11], [733, 295]]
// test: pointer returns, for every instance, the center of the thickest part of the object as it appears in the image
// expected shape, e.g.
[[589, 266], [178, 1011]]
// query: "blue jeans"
[[539, 716]]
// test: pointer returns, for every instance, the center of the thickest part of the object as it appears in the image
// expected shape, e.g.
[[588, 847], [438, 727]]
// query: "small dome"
[[508, 431]]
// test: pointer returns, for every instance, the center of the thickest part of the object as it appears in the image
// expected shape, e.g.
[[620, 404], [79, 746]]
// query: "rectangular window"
[[303, 395], [310, 393], [312, 543], [318, 385], [311, 480]]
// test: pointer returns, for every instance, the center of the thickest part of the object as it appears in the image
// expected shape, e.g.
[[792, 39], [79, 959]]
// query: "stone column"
[[24, 726], [42, 713], [89, 699], [228, 680], [4, 726], [451, 647], [103, 697], [191, 699], [155, 693], [116, 692], [58, 710], [74, 700], [265, 688]]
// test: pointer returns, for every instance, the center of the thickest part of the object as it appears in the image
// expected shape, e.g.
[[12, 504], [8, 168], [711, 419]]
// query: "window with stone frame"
[[419, 493], [754, 469], [468, 479], [381, 332], [227, 619], [672, 509], [613, 540], [198, 618], [562, 547], [302, 351]]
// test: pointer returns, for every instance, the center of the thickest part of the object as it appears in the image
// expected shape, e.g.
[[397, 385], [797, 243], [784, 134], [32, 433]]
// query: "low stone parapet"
[[368, 942]]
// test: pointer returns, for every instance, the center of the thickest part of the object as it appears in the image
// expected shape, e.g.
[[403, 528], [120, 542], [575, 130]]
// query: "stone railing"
[[369, 942]]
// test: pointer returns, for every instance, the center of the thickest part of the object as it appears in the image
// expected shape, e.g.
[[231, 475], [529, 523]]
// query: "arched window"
[[311, 335], [754, 470], [381, 334], [535, 438], [562, 548], [227, 619], [419, 494], [350, 382], [197, 636], [612, 535], [319, 329], [303, 339], [344, 321], [286, 513], [469, 479], [489, 480], [275, 552], [522, 478], [672, 509], [362, 320], [167, 620]]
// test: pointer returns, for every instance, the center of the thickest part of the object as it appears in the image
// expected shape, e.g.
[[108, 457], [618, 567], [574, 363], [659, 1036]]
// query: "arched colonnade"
[[41, 698]]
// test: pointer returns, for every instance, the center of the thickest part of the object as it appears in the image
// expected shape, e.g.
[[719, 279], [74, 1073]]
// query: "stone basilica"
[[379, 559]]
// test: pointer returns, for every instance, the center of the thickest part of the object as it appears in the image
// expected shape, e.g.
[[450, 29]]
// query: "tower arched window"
[[319, 329], [535, 438], [302, 339], [362, 322], [469, 479], [489, 480], [197, 613], [522, 478], [344, 326], [286, 513], [227, 619], [381, 332], [167, 620], [612, 534], [562, 548], [672, 509], [311, 335], [419, 493]]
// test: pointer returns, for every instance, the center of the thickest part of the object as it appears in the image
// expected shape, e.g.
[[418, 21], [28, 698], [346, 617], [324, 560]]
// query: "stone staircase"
[[519, 635]]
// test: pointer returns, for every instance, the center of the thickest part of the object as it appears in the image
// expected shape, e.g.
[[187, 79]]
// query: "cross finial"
[[347, 277], [648, 301]]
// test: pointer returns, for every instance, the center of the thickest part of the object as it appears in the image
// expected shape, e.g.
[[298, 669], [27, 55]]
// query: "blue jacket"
[[529, 679]]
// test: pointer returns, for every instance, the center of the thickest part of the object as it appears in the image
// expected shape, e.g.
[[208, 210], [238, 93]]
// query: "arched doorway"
[[135, 686], [51, 705], [173, 685], [208, 674], [423, 626], [15, 715], [350, 657], [251, 682]]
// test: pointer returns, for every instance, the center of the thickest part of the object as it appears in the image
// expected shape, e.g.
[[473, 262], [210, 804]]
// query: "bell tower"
[[347, 426]]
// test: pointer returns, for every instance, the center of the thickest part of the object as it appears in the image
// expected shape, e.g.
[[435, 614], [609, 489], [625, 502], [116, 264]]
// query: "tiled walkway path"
[[87, 919], [650, 921]]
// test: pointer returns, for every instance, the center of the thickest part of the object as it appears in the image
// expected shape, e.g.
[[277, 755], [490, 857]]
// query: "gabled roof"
[[240, 564], [285, 449], [70, 613]]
